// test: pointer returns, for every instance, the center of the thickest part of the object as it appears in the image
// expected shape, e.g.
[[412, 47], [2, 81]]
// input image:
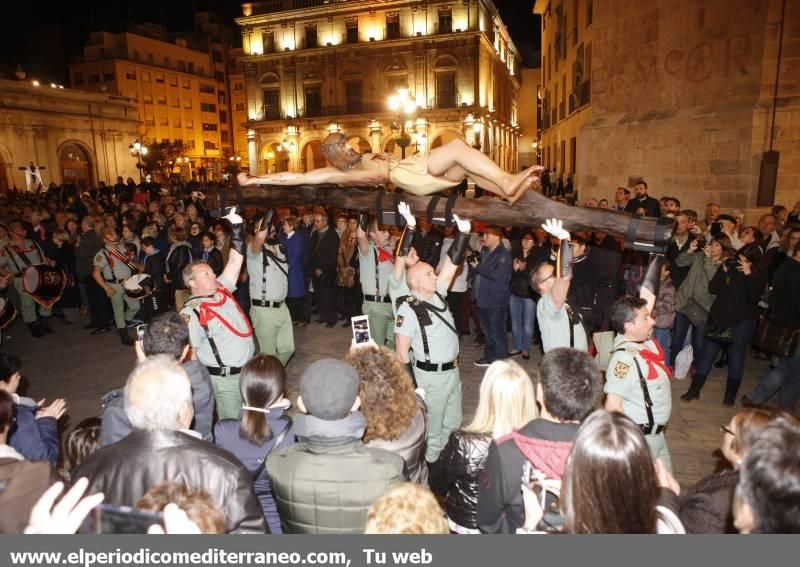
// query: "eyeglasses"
[[728, 430]]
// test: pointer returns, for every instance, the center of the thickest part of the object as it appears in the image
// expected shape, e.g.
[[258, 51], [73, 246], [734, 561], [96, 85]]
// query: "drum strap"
[[11, 255]]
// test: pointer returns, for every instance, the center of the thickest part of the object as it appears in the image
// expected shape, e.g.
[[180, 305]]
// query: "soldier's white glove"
[[232, 217], [405, 212], [556, 228], [462, 224]]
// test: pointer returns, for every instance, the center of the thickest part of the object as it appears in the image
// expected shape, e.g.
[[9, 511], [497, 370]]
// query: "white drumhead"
[[132, 283], [30, 279]]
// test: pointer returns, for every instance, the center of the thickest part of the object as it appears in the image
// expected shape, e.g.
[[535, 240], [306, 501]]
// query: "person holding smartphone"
[[376, 263]]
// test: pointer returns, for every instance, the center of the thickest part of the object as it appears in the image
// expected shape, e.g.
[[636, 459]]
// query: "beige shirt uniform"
[[623, 379]]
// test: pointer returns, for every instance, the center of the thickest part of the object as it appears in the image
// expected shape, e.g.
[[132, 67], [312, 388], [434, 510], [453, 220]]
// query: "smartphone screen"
[[360, 326], [109, 519]]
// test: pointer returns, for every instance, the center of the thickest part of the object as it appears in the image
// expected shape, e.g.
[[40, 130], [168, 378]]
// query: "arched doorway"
[[75, 166], [360, 144], [443, 138], [274, 158], [311, 157]]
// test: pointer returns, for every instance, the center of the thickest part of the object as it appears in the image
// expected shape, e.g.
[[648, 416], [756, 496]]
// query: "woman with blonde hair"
[[507, 402]]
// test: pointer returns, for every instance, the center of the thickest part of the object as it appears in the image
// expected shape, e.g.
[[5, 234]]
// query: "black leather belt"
[[430, 367], [378, 298], [257, 303], [224, 371], [655, 430]]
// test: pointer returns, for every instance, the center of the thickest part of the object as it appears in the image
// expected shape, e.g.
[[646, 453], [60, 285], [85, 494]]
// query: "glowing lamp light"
[[35, 83]]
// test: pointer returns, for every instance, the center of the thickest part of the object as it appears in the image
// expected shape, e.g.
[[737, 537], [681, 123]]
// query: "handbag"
[[683, 362], [777, 337], [718, 333]]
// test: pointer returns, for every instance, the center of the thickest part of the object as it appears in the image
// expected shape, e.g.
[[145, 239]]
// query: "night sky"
[[42, 37]]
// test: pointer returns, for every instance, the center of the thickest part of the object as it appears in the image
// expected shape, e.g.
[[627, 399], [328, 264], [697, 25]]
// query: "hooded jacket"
[[546, 444]]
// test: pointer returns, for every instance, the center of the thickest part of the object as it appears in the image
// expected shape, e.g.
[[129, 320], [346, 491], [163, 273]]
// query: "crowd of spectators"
[[350, 457]]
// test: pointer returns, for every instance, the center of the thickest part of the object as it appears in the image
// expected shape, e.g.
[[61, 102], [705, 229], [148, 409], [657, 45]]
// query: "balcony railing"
[[270, 6]]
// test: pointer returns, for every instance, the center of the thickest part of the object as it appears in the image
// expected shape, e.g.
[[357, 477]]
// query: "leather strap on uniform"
[[432, 208], [379, 206], [648, 403], [458, 248], [377, 276], [448, 208], [404, 244], [571, 318], [210, 341], [564, 260]]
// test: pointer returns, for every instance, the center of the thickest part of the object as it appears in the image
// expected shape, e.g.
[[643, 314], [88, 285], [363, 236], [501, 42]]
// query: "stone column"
[[252, 152]]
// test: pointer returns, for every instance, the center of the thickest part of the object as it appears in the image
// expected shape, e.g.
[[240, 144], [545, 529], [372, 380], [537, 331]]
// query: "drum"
[[138, 286], [7, 313], [45, 284]]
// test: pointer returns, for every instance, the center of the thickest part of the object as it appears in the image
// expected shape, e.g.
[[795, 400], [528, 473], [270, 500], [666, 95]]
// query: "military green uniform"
[[115, 270], [628, 375], [397, 289], [14, 259], [434, 357], [269, 285], [222, 338], [375, 275]]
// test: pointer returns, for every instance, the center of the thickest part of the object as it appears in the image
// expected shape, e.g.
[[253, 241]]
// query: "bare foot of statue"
[[530, 183]]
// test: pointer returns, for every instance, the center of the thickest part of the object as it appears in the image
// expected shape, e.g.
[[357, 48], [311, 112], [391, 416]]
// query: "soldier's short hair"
[[624, 311], [188, 271], [571, 383]]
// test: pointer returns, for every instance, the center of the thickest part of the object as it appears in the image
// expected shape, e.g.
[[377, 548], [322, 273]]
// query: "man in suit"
[[323, 249]]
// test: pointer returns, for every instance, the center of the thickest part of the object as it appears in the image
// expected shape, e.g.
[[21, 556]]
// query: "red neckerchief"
[[207, 313], [653, 360], [384, 256]]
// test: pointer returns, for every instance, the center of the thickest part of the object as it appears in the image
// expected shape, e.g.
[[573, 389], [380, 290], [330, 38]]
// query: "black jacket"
[[126, 470], [652, 208], [154, 267], [784, 299], [177, 259], [323, 251], [454, 477], [677, 273], [737, 295]]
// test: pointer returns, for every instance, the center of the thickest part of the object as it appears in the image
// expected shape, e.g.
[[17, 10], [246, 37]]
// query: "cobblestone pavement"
[[80, 367]]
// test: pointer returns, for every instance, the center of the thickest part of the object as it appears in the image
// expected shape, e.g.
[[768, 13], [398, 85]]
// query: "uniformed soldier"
[[112, 266], [638, 378], [268, 269], [425, 326], [376, 263], [219, 331], [15, 256], [405, 256]]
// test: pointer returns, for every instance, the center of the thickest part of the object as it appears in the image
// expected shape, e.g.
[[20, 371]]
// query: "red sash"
[[207, 313], [654, 360]]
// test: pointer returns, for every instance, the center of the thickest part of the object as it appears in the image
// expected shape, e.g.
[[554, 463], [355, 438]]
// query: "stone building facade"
[[679, 93], [178, 82], [78, 137], [311, 67]]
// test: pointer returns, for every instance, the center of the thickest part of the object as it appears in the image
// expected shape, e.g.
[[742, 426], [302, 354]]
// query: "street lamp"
[[138, 150], [404, 106]]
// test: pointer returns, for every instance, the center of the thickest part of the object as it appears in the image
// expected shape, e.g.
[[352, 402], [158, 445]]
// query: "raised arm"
[[236, 256], [563, 272], [361, 234], [455, 254], [262, 231], [652, 281], [404, 244]]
